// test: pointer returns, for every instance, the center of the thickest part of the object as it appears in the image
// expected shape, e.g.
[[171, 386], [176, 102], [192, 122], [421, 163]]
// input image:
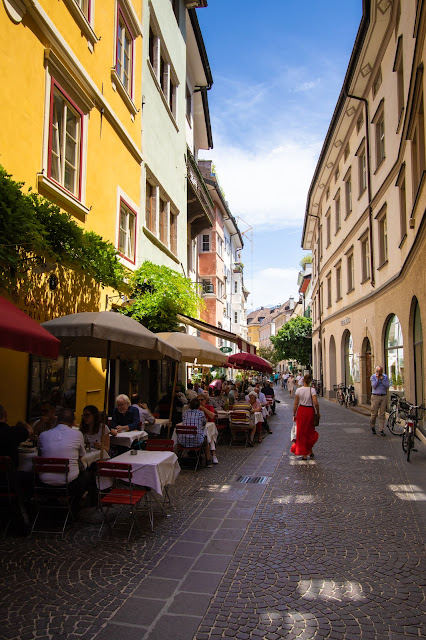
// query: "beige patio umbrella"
[[194, 348]]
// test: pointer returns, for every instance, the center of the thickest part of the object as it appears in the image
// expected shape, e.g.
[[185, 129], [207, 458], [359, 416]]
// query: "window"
[[150, 207], [351, 272], [328, 227], [394, 354], [173, 232], [127, 232], [152, 48], [188, 109], [65, 146], [205, 243], [377, 83], [235, 317], [365, 258], [346, 152], [383, 239], [417, 138], [399, 69], [124, 53], [163, 220], [235, 287], [359, 123], [163, 70], [348, 194], [349, 358], [85, 8], [329, 291], [337, 211], [219, 246], [321, 298], [379, 128], [338, 282], [362, 170], [320, 242], [220, 289], [418, 354], [400, 183]]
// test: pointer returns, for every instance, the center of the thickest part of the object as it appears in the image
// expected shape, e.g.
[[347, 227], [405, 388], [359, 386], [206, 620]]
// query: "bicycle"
[[409, 434], [317, 386], [350, 399], [339, 389], [398, 413]]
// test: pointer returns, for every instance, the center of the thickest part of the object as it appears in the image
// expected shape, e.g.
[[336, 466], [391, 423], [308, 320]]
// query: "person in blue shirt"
[[379, 386], [124, 417]]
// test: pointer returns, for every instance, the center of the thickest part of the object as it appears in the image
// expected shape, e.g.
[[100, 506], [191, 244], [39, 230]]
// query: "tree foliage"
[[159, 294], [31, 226], [307, 259], [294, 340], [269, 353]]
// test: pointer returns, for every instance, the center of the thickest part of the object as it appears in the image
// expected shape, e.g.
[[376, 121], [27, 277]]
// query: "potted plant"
[[399, 382]]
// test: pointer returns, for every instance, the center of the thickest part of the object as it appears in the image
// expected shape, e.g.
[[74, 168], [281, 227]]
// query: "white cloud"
[[306, 86], [271, 286], [269, 184]]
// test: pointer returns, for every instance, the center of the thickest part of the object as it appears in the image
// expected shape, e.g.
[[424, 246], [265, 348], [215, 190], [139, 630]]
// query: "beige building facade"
[[365, 213]]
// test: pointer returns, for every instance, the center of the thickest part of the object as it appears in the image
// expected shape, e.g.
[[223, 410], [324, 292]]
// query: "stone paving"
[[329, 548]]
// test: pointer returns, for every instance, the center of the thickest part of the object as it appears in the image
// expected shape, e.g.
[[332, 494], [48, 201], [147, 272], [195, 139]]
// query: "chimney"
[[291, 303]]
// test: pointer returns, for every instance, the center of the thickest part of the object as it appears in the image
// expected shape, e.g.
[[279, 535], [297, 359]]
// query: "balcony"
[[199, 203], [238, 267]]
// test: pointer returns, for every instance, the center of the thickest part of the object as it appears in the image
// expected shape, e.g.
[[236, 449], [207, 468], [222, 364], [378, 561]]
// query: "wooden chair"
[[239, 422], [182, 449], [51, 497], [122, 494]]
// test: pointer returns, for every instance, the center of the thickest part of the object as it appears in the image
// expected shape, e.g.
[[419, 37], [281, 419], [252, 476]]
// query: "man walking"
[[380, 386]]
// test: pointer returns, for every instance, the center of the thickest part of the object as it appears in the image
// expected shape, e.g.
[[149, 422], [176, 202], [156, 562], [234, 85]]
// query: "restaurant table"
[[26, 455], [258, 417], [155, 469], [127, 438], [210, 431], [222, 414], [156, 427]]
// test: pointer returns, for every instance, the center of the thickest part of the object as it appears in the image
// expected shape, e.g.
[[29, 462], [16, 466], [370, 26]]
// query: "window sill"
[[82, 22], [118, 85], [66, 198], [403, 239], [151, 236], [382, 265], [163, 97], [348, 214], [337, 231], [361, 193], [365, 280], [338, 299], [350, 290], [380, 165]]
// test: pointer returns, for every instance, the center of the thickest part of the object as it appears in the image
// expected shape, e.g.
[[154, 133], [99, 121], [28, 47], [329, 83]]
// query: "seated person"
[[165, 403], [255, 408], [124, 416], [194, 417], [269, 392], [65, 442], [190, 393], [242, 405], [91, 427], [266, 409], [209, 412], [144, 413], [47, 418], [218, 400], [11, 437]]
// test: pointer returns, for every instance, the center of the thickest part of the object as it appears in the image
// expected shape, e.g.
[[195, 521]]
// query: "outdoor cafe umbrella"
[[195, 348], [110, 335], [249, 361], [21, 333]]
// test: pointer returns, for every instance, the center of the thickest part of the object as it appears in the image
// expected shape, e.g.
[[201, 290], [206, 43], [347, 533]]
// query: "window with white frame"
[[205, 242], [65, 141], [127, 232], [219, 246], [236, 317], [383, 237], [235, 287], [219, 289], [85, 8], [362, 168], [163, 69], [328, 290], [124, 52], [328, 227], [348, 194], [150, 207], [338, 282], [379, 128], [365, 257]]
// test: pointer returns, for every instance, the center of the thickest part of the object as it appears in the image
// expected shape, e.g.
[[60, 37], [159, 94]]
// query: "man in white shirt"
[[65, 442], [299, 379], [144, 413]]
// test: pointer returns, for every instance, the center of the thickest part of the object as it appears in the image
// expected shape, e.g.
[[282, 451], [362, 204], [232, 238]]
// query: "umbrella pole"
[[172, 402], [106, 394]]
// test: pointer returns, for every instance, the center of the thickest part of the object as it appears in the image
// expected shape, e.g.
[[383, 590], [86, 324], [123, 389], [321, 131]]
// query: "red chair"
[[239, 422], [8, 495], [222, 424], [191, 432], [51, 497], [122, 494]]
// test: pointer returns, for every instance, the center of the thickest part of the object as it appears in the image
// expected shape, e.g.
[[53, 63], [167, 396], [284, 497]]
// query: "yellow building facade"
[[71, 130]]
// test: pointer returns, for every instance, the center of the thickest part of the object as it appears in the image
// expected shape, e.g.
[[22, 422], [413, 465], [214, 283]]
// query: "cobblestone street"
[[329, 548]]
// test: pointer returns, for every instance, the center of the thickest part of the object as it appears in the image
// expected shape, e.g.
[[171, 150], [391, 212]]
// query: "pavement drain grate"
[[253, 479]]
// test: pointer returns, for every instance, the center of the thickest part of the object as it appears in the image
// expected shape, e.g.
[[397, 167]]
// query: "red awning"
[[249, 361], [21, 333]]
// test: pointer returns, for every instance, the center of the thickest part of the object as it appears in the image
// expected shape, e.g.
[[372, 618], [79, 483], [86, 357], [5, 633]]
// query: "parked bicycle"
[[415, 414], [398, 413], [345, 394]]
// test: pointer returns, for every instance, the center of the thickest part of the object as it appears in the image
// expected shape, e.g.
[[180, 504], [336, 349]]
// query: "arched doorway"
[[366, 371], [418, 355], [348, 358], [394, 354], [332, 365]]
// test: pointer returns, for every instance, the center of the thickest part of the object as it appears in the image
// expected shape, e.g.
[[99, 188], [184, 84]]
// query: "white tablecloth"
[[26, 455], [126, 438], [154, 469], [156, 427], [258, 417]]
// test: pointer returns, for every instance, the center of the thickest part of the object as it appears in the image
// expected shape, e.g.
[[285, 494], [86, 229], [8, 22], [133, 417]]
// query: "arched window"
[[394, 353], [349, 358], [418, 354]]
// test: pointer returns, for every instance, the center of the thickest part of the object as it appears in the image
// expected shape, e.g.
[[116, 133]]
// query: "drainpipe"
[[367, 155]]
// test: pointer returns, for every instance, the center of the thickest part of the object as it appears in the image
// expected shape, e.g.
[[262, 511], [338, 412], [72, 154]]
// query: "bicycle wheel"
[[410, 444], [404, 440], [395, 423], [340, 398]]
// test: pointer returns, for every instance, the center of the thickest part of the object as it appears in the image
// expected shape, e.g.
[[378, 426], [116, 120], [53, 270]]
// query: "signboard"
[[226, 349]]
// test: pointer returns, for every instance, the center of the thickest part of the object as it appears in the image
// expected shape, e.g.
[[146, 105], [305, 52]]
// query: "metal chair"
[[122, 494], [239, 422], [182, 448], [51, 497]]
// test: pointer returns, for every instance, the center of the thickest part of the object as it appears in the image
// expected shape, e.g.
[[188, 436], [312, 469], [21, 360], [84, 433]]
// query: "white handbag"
[[293, 432]]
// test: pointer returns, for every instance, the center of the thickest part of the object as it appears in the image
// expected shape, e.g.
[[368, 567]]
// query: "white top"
[[95, 437], [304, 395], [299, 380], [62, 442]]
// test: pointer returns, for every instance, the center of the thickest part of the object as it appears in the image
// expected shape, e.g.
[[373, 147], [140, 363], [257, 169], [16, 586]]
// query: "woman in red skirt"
[[305, 404]]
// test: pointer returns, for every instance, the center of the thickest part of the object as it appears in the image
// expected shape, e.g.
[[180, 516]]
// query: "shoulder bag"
[[316, 416]]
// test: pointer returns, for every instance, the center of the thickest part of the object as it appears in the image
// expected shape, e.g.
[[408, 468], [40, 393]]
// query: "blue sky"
[[278, 68]]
